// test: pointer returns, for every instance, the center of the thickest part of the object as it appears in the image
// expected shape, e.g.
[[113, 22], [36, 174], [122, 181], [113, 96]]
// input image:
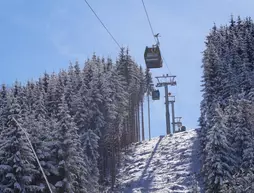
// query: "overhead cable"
[[103, 24], [151, 27]]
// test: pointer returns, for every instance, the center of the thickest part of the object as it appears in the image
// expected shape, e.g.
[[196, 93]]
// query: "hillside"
[[164, 164]]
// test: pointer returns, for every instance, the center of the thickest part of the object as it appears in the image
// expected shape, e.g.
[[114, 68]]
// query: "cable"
[[35, 155], [155, 41], [154, 33], [116, 40], [166, 64], [103, 24], [149, 20], [113, 36]]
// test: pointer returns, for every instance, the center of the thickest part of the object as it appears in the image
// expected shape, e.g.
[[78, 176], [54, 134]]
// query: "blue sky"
[[38, 36]]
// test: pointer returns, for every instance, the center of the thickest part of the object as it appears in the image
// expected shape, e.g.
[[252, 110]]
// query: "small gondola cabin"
[[156, 95], [153, 57], [183, 128]]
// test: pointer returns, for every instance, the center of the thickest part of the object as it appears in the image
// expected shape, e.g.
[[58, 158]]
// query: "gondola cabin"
[[153, 57], [183, 128], [156, 95]]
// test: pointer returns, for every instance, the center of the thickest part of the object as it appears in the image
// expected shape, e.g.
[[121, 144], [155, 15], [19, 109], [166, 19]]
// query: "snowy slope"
[[164, 164]]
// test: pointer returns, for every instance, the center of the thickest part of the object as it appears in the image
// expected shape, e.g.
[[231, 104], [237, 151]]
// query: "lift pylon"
[[165, 81]]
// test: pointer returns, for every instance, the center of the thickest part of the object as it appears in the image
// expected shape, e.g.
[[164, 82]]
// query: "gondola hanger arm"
[[156, 36]]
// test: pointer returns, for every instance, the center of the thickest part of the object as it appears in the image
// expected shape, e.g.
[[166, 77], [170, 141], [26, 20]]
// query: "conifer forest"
[[82, 129], [78, 121], [227, 108]]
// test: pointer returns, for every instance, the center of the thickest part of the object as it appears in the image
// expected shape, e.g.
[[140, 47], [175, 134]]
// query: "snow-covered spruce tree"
[[77, 76], [231, 116], [230, 83], [218, 162], [136, 83], [45, 82], [17, 163], [80, 104], [246, 108], [90, 70], [123, 71], [71, 166], [141, 95], [239, 115], [148, 82], [94, 96], [38, 125], [30, 95], [129, 70], [241, 182], [108, 93], [211, 85], [102, 111], [243, 178], [103, 103], [51, 100], [114, 102], [195, 187], [137, 95], [90, 90], [90, 145], [203, 125], [3, 107], [73, 86], [242, 130]]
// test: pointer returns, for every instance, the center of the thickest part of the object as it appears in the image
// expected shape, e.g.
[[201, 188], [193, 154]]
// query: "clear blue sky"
[[38, 36]]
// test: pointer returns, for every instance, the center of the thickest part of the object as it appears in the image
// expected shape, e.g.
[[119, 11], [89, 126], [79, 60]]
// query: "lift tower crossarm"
[[165, 80]]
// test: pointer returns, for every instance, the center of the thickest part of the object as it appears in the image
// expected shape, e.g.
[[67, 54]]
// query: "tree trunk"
[[142, 119], [149, 126], [138, 123], [113, 166], [136, 129]]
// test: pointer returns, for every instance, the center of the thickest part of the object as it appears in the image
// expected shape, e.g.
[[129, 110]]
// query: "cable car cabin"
[[153, 57], [183, 128], [156, 95]]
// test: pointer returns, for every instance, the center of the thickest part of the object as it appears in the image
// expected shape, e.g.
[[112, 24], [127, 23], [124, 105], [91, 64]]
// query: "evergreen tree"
[[70, 162], [228, 65], [17, 169], [3, 107], [218, 163], [90, 145], [78, 122]]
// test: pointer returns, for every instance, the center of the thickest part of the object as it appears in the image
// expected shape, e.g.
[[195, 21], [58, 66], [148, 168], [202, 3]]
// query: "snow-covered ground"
[[162, 165]]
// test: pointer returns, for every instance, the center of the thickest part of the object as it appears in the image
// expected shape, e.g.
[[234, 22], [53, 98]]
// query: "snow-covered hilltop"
[[164, 164]]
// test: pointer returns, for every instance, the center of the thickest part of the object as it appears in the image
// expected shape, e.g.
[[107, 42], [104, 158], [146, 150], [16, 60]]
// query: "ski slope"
[[162, 165]]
